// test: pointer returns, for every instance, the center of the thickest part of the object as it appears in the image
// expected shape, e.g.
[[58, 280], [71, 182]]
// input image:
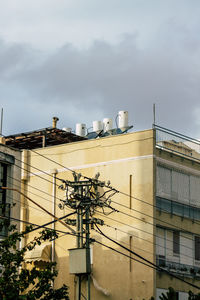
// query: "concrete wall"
[[118, 159]]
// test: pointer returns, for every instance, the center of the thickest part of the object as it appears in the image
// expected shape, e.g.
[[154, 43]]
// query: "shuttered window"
[[176, 242], [197, 247], [178, 186]]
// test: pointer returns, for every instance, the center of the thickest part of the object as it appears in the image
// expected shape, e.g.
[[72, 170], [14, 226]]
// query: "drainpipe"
[[24, 179], [54, 172]]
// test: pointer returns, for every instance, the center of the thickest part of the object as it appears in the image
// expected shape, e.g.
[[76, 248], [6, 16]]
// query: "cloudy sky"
[[83, 60]]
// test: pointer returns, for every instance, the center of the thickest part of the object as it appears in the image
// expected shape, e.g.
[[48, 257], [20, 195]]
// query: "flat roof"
[[41, 138]]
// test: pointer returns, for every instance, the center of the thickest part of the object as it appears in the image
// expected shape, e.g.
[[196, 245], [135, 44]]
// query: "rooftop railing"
[[177, 143]]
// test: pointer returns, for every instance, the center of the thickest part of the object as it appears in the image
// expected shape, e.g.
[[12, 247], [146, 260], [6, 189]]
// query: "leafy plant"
[[193, 296], [17, 282], [170, 295]]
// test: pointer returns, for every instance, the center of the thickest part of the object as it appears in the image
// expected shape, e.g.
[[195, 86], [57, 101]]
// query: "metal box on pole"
[[79, 261]]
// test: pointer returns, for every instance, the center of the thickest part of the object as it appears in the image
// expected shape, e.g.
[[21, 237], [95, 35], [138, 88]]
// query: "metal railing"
[[181, 269], [177, 208], [177, 143]]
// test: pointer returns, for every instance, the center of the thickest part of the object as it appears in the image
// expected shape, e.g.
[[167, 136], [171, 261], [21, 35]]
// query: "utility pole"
[[84, 197]]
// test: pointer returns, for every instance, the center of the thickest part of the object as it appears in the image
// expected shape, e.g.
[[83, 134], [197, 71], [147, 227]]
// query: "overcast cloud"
[[85, 60]]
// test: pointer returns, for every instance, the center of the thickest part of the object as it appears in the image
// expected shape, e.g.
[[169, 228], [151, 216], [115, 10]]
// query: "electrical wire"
[[123, 193], [133, 210], [52, 215], [41, 211], [109, 187], [144, 259], [34, 174], [115, 201], [38, 226], [146, 263], [148, 241], [39, 190], [99, 181], [155, 225], [123, 212], [119, 230], [142, 230]]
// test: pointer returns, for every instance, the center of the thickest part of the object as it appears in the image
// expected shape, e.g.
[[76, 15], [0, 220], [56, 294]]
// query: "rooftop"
[[41, 138]]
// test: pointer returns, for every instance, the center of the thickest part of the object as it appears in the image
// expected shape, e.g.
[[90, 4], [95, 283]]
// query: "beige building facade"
[[157, 211]]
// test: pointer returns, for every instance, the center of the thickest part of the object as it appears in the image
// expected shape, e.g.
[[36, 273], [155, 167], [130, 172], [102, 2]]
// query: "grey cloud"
[[105, 78]]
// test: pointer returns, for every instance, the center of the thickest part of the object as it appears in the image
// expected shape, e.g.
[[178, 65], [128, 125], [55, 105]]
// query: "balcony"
[[178, 268], [179, 209]]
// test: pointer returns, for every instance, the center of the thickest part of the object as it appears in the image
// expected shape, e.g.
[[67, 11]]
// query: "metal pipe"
[[1, 128], [87, 229], [54, 123], [54, 173]]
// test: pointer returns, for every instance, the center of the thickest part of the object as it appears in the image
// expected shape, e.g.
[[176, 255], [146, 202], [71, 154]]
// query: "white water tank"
[[107, 124], [80, 129], [123, 119], [67, 129], [97, 126]]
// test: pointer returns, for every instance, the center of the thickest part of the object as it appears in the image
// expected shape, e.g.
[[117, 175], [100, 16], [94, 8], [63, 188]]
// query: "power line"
[[146, 260], [142, 230], [121, 204], [115, 229], [66, 233], [52, 215], [155, 225], [121, 231], [99, 181], [86, 177], [150, 215], [123, 193], [38, 226], [148, 241], [36, 169], [114, 201], [39, 190], [124, 206], [118, 191]]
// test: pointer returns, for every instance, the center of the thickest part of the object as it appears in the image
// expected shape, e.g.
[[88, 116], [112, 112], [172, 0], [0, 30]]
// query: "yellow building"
[[157, 210]]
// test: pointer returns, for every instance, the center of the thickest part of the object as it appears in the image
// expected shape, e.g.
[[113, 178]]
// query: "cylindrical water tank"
[[80, 129], [123, 119], [67, 129], [97, 126], [107, 124]]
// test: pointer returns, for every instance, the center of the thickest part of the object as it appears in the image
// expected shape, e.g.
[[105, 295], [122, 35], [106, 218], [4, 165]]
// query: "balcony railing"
[[174, 267], [176, 208], [177, 143]]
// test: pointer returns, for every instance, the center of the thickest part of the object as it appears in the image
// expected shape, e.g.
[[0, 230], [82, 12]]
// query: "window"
[[178, 209], [197, 248], [176, 242], [4, 205], [178, 186]]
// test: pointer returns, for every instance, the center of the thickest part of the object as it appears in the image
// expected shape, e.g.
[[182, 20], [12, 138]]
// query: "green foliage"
[[171, 295], [193, 296], [18, 283]]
